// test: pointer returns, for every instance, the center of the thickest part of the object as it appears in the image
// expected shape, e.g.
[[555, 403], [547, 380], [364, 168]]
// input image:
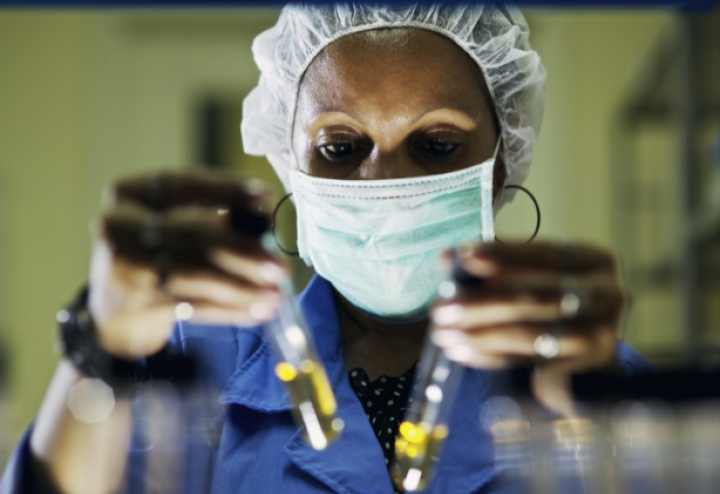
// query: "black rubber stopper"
[[243, 221]]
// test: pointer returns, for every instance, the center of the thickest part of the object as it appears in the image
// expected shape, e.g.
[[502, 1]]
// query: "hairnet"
[[496, 38]]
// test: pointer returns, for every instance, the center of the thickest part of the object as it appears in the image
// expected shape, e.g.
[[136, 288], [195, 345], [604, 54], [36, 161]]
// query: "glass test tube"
[[576, 457], [301, 370], [643, 435], [424, 428], [503, 417]]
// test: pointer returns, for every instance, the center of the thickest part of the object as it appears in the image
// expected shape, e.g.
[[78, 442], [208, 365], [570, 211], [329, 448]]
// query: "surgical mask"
[[379, 242]]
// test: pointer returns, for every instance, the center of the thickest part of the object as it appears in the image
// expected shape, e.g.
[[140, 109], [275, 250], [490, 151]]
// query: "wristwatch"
[[77, 341]]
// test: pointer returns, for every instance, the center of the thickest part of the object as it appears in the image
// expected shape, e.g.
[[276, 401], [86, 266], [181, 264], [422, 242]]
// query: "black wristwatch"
[[78, 343]]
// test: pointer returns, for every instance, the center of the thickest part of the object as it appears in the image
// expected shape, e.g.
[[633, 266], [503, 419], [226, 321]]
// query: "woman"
[[397, 130]]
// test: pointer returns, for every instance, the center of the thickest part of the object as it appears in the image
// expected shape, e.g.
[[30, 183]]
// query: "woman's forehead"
[[416, 69]]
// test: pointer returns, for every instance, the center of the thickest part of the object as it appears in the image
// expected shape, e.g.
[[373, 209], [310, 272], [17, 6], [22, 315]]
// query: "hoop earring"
[[272, 227], [537, 210]]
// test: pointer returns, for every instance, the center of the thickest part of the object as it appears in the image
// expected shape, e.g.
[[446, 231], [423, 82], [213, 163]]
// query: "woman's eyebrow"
[[330, 118], [451, 116]]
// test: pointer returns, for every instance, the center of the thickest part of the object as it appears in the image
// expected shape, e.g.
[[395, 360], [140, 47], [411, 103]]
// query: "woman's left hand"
[[558, 303]]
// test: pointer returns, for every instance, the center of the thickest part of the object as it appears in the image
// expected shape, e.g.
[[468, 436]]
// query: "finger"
[[136, 333], [553, 390], [494, 313], [196, 214], [601, 352], [218, 315], [471, 357], [552, 385], [112, 272], [542, 255], [141, 238], [118, 284], [213, 288], [170, 189], [602, 304], [592, 345], [531, 284], [129, 211], [598, 293], [262, 272]]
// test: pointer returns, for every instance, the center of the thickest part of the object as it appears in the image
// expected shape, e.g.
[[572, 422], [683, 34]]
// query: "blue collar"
[[465, 465], [254, 384]]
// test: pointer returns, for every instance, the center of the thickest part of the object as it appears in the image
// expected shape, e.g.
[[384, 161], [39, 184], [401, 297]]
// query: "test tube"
[[503, 417], [576, 457], [424, 429], [303, 373], [643, 444], [298, 367]]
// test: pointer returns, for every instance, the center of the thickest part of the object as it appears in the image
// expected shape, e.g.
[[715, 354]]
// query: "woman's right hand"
[[167, 238]]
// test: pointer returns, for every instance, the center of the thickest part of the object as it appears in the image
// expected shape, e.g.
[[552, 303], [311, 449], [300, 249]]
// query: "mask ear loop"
[[272, 227], [537, 210], [497, 200], [497, 147]]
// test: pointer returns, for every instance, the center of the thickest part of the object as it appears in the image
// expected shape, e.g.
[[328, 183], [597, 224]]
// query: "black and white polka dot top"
[[384, 401]]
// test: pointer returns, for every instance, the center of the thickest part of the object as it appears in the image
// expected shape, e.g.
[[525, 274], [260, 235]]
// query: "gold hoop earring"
[[537, 211]]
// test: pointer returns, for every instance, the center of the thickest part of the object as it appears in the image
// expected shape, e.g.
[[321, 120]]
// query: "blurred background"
[[628, 157]]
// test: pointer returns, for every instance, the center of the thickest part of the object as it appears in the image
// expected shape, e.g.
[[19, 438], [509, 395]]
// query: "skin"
[[427, 112], [365, 111], [227, 277]]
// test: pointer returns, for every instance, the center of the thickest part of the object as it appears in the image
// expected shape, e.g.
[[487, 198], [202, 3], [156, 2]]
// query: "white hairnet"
[[496, 38]]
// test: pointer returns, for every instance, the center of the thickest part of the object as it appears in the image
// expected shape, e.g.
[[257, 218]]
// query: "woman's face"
[[408, 108]]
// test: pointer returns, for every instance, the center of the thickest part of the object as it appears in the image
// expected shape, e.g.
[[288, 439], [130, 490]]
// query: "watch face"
[[76, 337]]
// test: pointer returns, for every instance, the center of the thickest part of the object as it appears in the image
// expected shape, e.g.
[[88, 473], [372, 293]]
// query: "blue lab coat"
[[261, 450]]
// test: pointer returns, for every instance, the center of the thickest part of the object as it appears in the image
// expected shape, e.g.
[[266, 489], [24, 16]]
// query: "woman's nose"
[[389, 164]]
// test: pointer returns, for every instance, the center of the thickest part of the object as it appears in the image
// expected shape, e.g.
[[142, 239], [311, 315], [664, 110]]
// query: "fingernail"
[[260, 311], [448, 314], [447, 289], [482, 268], [271, 296], [448, 337], [271, 272], [184, 311], [460, 353]]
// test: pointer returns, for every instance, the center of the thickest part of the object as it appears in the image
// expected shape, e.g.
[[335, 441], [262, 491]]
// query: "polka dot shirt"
[[384, 401]]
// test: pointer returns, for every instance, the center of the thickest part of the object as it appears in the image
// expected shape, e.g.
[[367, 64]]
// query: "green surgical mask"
[[380, 242]]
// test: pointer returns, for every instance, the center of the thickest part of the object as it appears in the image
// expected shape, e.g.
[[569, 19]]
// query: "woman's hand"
[[165, 239], [569, 292]]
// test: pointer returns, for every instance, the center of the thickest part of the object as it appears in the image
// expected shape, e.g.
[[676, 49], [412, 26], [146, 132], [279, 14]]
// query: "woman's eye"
[[438, 148], [340, 149]]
